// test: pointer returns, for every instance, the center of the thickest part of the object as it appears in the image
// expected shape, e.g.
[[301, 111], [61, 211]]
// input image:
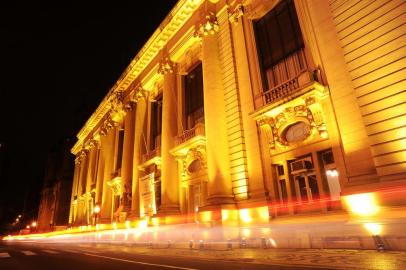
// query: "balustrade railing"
[[151, 154], [198, 129]]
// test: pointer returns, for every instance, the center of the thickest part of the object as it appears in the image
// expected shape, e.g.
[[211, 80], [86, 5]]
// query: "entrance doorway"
[[306, 187]]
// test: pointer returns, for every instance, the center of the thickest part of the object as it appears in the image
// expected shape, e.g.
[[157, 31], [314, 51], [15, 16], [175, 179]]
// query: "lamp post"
[[34, 226], [96, 211]]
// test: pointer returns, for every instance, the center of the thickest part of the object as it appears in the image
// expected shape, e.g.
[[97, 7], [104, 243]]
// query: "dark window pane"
[[194, 100], [278, 37]]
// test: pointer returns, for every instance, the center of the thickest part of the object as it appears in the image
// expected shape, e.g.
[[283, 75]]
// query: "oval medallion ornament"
[[194, 166], [297, 132]]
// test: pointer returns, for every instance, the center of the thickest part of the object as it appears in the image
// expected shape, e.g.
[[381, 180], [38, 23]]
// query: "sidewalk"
[[316, 258]]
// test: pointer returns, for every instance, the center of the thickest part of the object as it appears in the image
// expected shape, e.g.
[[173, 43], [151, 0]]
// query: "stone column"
[[139, 137], [127, 160], [253, 152], [218, 163], [169, 174], [108, 143], [81, 212]]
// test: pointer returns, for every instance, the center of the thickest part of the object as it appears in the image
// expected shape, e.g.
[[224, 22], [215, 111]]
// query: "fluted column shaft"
[[108, 143], [169, 175], [139, 140], [127, 160]]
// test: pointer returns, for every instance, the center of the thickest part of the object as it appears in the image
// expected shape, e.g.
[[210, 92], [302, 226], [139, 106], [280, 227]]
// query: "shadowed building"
[[254, 112], [55, 195]]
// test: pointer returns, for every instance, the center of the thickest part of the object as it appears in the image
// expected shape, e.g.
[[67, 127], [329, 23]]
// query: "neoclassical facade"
[[250, 111]]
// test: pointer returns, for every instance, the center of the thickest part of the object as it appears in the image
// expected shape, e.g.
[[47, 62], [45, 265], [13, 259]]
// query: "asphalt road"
[[42, 256]]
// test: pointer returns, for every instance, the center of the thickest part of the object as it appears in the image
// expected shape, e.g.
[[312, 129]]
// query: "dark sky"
[[56, 65]]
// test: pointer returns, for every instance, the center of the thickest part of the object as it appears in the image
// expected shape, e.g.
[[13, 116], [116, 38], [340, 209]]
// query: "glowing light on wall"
[[246, 232], [265, 231], [128, 224], [155, 221], [206, 216], [245, 216], [143, 224], [263, 213], [114, 225], [332, 173], [362, 204], [373, 228]]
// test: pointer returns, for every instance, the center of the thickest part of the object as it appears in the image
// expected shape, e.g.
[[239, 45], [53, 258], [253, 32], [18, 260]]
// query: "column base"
[[133, 215], [213, 200], [165, 210]]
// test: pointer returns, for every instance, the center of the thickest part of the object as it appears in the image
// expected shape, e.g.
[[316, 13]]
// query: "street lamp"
[[96, 211], [34, 226]]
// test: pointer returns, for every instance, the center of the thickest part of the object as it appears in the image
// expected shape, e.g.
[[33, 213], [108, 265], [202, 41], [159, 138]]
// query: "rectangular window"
[[96, 166], [156, 123], [280, 45], [120, 144], [194, 101]]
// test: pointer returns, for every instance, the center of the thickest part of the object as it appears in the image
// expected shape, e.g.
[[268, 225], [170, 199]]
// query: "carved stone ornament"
[[236, 13], [116, 186], [139, 94], [91, 143], [129, 106], [117, 107], [166, 66], [193, 161], [293, 125], [210, 26]]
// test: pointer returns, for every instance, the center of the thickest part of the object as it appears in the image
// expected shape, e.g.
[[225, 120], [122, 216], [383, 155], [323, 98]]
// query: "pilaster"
[[218, 163]]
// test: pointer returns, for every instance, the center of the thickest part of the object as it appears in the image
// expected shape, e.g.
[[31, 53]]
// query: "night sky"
[[57, 63]]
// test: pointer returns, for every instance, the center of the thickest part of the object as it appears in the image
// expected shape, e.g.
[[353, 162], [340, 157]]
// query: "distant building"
[[55, 195], [257, 112]]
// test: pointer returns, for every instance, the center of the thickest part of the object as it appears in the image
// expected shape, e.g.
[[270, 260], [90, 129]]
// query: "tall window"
[[156, 123], [120, 144], [280, 45], [194, 103]]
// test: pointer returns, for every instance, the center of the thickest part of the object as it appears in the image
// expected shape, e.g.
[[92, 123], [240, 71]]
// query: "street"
[[34, 255]]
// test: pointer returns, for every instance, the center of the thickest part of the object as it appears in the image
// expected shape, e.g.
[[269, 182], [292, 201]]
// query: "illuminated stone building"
[[54, 205], [242, 112]]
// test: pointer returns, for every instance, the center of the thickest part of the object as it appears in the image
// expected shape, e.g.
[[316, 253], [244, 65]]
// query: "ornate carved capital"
[[210, 26], [129, 106], [234, 14], [140, 93], [166, 66], [117, 107], [91, 144]]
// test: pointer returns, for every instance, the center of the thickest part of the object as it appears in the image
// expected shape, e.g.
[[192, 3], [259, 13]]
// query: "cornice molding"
[[173, 22]]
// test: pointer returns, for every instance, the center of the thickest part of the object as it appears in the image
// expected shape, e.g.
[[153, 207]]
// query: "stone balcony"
[[151, 157], [287, 90], [190, 139]]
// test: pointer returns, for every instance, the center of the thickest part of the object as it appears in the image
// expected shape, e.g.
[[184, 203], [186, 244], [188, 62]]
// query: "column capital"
[[235, 13], [209, 26], [166, 65], [140, 94], [117, 111]]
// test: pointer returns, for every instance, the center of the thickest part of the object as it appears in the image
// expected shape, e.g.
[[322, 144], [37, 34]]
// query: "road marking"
[[4, 255], [28, 253], [50, 251], [136, 262]]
